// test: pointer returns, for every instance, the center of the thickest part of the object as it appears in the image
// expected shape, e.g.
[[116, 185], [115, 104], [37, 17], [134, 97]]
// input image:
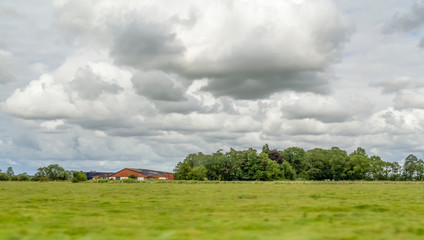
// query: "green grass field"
[[269, 210]]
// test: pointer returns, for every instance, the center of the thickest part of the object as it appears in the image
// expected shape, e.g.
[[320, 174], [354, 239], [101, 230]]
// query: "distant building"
[[98, 175], [142, 174]]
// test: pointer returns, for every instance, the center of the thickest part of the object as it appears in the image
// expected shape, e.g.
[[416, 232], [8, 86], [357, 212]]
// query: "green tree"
[[267, 169], [4, 177], [287, 171], [9, 171], [359, 166], [52, 172], [338, 162], [79, 176], [319, 165], [420, 170], [265, 149], [410, 167], [182, 171], [394, 171], [296, 157], [23, 177], [249, 165], [378, 168], [132, 176], [198, 173]]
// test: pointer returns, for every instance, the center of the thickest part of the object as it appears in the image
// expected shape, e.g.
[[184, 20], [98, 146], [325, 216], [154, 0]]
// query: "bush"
[[79, 176], [13, 178], [129, 180], [132, 176], [23, 177], [4, 177]]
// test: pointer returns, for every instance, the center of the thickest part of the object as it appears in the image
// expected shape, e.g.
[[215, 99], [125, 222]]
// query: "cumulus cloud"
[[42, 99], [97, 92], [247, 51]]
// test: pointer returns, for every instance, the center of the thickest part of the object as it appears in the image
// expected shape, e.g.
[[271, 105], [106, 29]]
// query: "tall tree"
[[410, 167], [296, 157], [265, 149], [9, 171]]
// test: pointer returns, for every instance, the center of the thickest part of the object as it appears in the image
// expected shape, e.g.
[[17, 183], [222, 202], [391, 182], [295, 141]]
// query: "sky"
[[104, 85]]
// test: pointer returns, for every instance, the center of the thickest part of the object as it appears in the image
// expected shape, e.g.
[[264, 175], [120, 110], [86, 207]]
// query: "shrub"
[[132, 176], [79, 176], [23, 177], [13, 178], [4, 177], [129, 180]]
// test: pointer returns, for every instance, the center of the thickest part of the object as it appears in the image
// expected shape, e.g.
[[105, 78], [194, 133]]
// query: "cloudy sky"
[[103, 85]]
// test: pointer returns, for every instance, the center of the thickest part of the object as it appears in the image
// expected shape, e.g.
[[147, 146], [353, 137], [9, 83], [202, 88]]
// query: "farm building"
[[142, 174], [98, 175]]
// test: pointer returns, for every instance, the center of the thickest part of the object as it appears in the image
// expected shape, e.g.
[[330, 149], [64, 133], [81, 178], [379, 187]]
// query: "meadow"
[[212, 210]]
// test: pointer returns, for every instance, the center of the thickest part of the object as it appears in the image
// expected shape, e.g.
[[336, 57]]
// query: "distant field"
[[288, 210]]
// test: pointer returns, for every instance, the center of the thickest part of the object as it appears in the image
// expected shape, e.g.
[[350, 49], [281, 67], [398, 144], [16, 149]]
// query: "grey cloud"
[[184, 107], [327, 109], [413, 20], [146, 45], [6, 67], [397, 84], [326, 112], [421, 43], [189, 20], [391, 119], [322, 114], [90, 86], [157, 86], [413, 99], [410, 21], [260, 86], [251, 62], [7, 11], [256, 68]]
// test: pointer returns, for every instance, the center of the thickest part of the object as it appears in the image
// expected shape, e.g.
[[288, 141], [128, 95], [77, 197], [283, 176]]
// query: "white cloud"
[[100, 133], [51, 125], [42, 98], [8, 161]]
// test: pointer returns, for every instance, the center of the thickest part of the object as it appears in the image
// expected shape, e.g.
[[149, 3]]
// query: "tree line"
[[294, 163], [52, 172]]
